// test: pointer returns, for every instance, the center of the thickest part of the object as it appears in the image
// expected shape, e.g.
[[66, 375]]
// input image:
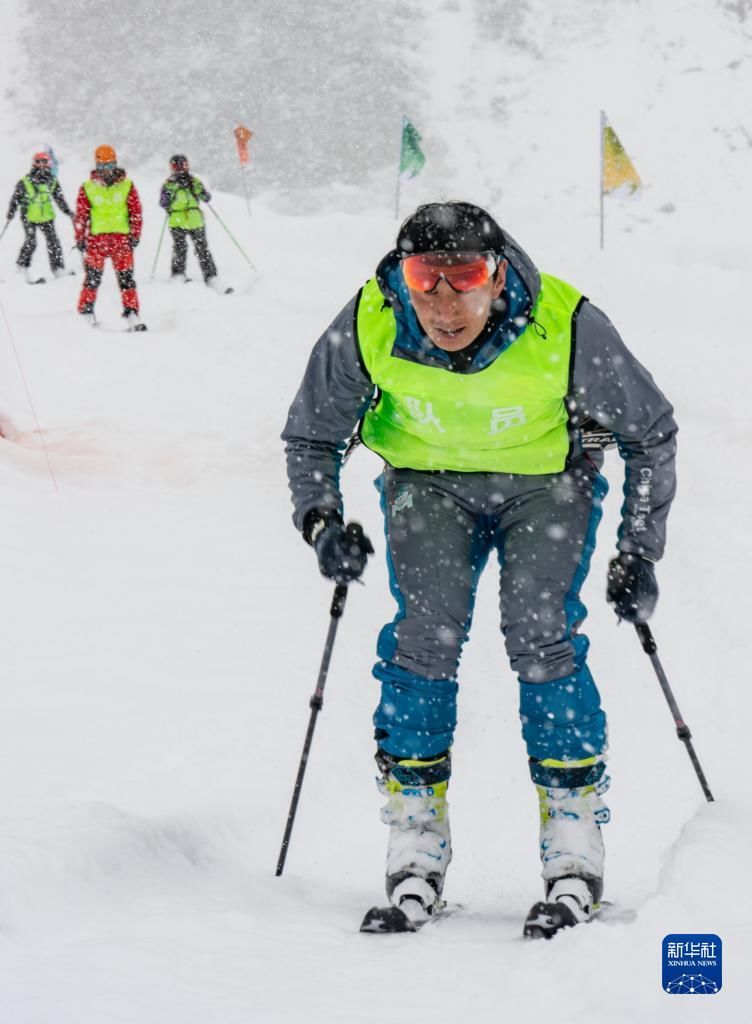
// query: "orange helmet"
[[105, 155]]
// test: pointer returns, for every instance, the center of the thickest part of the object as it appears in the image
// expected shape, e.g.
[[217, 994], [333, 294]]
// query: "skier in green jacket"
[[33, 196]]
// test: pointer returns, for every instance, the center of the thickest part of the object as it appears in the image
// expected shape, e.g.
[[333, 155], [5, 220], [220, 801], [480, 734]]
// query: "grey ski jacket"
[[612, 399]]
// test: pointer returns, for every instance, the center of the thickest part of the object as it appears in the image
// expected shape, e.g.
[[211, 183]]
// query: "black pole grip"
[[647, 639], [338, 600]]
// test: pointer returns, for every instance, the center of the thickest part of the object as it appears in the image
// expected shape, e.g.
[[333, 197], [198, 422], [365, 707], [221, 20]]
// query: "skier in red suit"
[[108, 226]]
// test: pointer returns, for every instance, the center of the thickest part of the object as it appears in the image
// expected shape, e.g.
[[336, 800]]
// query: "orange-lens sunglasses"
[[462, 271]]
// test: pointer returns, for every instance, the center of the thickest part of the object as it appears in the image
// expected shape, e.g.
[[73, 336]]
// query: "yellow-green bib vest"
[[109, 207], [39, 209], [184, 209], [509, 417]]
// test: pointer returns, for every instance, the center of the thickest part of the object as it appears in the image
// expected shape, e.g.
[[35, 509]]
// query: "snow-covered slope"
[[163, 626]]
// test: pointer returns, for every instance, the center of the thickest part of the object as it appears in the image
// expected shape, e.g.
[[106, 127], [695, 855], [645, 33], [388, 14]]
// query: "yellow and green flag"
[[616, 167]]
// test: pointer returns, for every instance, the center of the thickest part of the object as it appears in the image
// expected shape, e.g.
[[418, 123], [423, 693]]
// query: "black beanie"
[[450, 227]]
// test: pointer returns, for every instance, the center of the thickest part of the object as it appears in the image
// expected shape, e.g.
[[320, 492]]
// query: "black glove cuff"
[[318, 515]]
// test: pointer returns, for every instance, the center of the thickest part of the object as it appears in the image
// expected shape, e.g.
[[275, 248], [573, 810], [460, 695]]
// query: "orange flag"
[[243, 136]]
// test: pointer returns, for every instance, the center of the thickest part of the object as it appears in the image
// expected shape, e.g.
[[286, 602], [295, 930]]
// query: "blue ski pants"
[[440, 529]]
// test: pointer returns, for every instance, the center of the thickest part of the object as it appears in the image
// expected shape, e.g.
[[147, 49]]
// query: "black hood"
[[509, 317]]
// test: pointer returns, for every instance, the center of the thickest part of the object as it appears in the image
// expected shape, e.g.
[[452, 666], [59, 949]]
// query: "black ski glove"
[[132, 242], [81, 245], [631, 587], [342, 550]]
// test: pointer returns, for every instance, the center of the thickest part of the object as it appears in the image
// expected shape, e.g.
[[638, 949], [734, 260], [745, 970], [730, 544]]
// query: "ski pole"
[[159, 245], [7, 225], [316, 704], [682, 729], [232, 237]]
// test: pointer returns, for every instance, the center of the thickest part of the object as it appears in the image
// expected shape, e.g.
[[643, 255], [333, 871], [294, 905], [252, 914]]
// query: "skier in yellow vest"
[[489, 389], [108, 226], [181, 196], [33, 196]]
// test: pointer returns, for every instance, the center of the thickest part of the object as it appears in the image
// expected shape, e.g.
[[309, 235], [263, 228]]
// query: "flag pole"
[[602, 160], [246, 188], [399, 165], [243, 136]]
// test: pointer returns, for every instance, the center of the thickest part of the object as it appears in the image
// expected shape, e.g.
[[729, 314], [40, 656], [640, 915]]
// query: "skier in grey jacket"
[[490, 390]]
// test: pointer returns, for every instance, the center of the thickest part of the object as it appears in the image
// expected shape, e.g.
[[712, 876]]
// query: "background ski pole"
[[316, 703], [7, 225], [232, 237], [159, 245], [682, 729]]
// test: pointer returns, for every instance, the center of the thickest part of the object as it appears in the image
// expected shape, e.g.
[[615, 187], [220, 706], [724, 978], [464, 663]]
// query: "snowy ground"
[[163, 626]]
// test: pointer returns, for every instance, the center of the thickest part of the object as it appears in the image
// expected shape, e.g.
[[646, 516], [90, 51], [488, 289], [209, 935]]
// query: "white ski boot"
[[217, 286], [420, 847], [28, 277], [179, 279], [88, 318], [133, 321], [572, 854]]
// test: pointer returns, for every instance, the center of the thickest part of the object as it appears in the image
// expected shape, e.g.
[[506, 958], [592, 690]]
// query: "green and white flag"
[[412, 158]]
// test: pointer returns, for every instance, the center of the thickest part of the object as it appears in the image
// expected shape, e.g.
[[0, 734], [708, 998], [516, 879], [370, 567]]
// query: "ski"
[[38, 280], [546, 919], [392, 920], [570, 900]]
